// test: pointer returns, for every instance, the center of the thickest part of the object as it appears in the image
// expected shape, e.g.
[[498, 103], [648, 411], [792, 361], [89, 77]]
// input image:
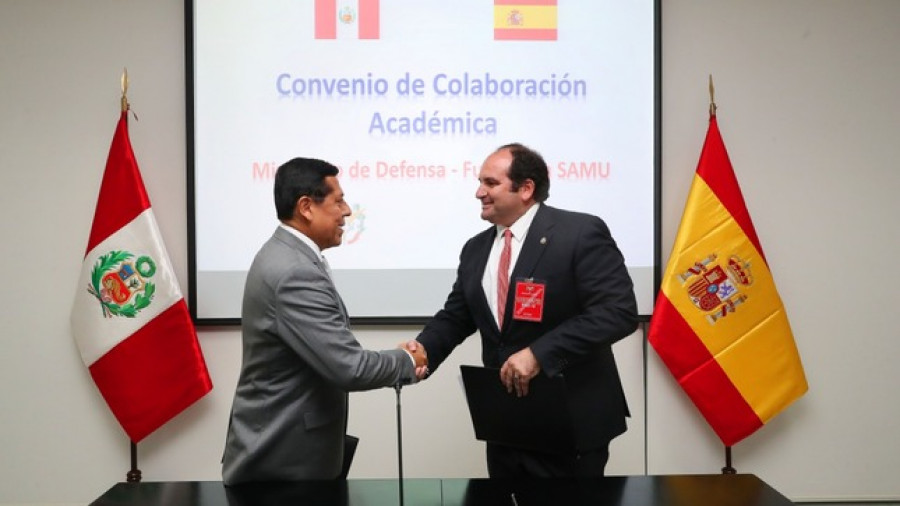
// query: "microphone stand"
[[397, 389]]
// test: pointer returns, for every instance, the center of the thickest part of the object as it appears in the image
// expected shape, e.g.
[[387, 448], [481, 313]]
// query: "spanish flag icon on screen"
[[525, 19], [347, 19]]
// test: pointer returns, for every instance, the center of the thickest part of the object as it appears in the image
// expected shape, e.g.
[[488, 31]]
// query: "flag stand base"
[[134, 475], [728, 469]]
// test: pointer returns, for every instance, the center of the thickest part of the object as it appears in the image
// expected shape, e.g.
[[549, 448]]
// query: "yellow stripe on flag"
[[525, 16]]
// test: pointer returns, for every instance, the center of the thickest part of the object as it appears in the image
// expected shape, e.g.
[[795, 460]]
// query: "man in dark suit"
[[289, 416], [567, 297]]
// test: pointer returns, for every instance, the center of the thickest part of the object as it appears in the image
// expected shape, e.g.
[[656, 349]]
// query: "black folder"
[[539, 421], [350, 443]]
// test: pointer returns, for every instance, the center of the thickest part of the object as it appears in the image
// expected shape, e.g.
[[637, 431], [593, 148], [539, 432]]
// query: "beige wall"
[[807, 107]]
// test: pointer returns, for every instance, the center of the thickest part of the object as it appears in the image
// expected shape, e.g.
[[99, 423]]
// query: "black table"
[[671, 490]]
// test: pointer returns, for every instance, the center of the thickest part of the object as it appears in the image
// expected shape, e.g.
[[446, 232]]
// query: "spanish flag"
[[719, 325], [524, 19]]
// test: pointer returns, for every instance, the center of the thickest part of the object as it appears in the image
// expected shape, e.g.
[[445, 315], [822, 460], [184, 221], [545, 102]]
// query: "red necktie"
[[503, 275]]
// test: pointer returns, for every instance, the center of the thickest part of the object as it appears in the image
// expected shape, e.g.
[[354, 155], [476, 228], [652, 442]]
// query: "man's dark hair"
[[298, 178], [528, 164]]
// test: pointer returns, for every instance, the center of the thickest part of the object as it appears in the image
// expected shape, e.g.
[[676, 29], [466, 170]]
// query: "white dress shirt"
[[519, 231], [309, 242]]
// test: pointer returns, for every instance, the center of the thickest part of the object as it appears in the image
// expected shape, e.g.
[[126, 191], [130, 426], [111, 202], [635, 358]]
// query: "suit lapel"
[[334, 290], [297, 244], [539, 234], [479, 259]]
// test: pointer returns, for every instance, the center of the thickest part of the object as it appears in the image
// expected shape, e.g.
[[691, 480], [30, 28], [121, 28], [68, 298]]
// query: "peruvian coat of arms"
[[716, 287], [121, 283]]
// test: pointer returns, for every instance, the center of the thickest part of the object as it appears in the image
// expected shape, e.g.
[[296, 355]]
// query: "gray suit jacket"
[[289, 415]]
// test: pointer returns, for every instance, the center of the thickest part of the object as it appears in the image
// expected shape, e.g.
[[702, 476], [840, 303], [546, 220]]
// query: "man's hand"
[[518, 370], [416, 349]]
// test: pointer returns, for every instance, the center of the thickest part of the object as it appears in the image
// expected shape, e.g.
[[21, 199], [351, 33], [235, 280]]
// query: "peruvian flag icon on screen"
[[347, 19]]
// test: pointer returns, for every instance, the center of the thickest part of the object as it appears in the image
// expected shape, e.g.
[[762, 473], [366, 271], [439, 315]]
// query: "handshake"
[[516, 372], [418, 353]]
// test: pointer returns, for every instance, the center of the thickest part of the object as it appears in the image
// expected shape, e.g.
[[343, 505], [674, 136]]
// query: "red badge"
[[529, 304]]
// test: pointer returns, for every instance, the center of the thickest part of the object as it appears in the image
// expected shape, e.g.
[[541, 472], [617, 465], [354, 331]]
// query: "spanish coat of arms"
[[717, 287]]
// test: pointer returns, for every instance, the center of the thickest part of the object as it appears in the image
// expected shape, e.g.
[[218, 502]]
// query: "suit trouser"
[[508, 462]]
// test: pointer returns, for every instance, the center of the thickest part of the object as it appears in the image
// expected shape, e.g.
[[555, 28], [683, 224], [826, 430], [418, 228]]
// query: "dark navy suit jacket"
[[589, 304]]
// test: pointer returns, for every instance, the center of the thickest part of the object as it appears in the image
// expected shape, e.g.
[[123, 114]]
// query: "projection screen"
[[407, 98]]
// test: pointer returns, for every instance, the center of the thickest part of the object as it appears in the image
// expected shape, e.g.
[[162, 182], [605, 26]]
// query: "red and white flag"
[[129, 318], [350, 19]]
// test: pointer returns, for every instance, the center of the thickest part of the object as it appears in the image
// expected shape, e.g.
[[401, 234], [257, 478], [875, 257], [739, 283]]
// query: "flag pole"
[[134, 474], [124, 89], [728, 469]]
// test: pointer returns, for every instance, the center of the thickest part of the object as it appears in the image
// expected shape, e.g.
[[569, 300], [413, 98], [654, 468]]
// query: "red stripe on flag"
[[524, 34], [326, 19], [674, 339], [117, 208], [154, 374], [525, 2], [700, 375], [716, 170], [369, 20], [721, 403]]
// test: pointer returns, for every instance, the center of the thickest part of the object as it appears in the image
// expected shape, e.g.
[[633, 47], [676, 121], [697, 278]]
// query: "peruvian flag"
[[351, 19], [129, 318]]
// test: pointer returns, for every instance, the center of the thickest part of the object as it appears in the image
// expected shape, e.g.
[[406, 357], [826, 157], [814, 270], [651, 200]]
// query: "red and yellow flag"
[[524, 19], [719, 324]]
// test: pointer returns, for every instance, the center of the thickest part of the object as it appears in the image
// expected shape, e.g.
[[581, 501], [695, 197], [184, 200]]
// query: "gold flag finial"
[[712, 97], [125, 106]]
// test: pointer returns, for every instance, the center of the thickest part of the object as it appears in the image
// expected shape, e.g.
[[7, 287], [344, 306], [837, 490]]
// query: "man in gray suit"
[[289, 416]]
